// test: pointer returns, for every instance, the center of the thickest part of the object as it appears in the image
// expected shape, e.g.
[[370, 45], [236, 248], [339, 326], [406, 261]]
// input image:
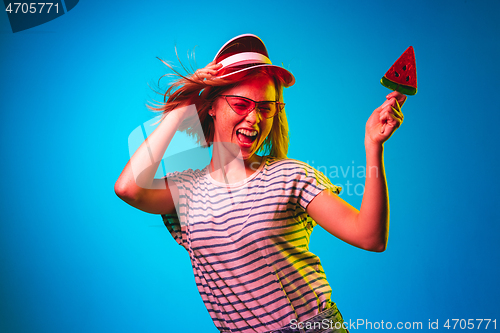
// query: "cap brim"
[[288, 77]]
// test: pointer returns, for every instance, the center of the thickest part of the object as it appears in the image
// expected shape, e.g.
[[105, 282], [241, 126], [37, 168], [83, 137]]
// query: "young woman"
[[246, 218]]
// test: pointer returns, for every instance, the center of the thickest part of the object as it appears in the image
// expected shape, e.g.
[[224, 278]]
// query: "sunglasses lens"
[[267, 109], [240, 105], [244, 106]]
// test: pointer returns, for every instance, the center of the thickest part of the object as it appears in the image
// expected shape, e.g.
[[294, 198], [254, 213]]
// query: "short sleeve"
[[311, 183], [182, 180]]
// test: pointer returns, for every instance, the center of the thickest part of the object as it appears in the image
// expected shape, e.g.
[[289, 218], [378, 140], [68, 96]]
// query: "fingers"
[[387, 103], [213, 66], [394, 102], [209, 71], [401, 98], [390, 117], [397, 115]]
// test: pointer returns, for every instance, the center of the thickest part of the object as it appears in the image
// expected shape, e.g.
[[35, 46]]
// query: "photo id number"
[[32, 7]]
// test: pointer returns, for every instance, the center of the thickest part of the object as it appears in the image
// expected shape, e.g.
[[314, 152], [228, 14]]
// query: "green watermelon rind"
[[407, 90]]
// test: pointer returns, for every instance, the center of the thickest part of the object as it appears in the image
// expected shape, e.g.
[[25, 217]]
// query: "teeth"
[[247, 133]]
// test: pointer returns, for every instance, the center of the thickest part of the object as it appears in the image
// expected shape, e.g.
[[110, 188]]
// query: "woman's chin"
[[247, 148]]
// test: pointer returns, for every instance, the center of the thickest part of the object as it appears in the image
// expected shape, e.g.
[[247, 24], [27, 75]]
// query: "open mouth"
[[246, 137]]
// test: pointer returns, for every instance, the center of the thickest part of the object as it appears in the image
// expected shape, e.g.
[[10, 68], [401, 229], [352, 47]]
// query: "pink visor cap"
[[245, 52]]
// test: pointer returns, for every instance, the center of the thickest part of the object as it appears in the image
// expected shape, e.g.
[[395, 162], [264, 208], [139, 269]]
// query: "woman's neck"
[[228, 168]]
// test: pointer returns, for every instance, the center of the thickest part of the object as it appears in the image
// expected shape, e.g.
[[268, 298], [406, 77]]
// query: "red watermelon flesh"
[[402, 76]]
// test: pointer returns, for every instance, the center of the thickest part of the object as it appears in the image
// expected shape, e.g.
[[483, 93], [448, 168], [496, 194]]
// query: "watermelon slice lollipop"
[[402, 76]]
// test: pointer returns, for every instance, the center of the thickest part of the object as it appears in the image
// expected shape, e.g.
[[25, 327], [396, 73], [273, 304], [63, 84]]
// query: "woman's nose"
[[254, 116]]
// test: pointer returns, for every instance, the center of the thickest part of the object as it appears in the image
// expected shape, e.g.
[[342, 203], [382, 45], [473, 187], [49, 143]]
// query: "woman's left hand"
[[385, 119]]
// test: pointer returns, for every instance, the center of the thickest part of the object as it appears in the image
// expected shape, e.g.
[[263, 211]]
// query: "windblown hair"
[[191, 89]]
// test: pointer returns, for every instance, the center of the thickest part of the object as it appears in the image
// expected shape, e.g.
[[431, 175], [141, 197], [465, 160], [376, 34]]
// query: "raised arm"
[[367, 228], [136, 184]]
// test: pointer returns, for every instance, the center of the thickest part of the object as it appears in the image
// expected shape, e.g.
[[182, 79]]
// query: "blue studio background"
[[75, 258]]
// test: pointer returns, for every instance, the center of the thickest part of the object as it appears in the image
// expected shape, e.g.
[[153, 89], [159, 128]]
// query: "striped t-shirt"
[[249, 244]]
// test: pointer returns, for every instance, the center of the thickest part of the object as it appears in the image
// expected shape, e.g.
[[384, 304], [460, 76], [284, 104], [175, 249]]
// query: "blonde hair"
[[191, 89]]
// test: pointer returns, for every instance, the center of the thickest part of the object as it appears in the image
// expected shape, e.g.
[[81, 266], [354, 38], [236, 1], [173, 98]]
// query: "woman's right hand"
[[208, 72]]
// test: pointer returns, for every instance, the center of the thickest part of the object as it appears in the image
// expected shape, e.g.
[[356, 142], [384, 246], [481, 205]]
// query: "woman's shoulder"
[[186, 174], [301, 173], [287, 164], [275, 161]]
